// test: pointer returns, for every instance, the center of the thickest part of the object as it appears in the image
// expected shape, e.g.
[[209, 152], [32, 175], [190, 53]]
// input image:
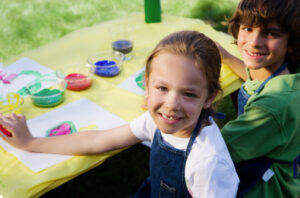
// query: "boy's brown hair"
[[286, 13]]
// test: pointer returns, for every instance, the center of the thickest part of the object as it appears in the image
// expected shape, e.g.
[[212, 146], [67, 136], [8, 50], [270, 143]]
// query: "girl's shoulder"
[[143, 127], [210, 142]]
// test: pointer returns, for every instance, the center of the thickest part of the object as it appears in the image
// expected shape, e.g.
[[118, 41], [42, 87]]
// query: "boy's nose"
[[255, 39]]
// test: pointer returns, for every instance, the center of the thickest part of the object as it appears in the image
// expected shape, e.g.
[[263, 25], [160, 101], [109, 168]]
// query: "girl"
[[264, 140], [188, 155]]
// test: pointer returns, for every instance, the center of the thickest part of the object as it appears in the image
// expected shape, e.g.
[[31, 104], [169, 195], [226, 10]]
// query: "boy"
[[264, 141]]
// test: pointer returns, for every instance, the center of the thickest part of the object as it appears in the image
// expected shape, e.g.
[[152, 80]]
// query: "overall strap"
[[296, 167], [194, 135], [278, 71]]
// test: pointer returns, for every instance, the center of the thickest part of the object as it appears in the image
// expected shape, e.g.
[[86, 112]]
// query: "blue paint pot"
[[107, 64]]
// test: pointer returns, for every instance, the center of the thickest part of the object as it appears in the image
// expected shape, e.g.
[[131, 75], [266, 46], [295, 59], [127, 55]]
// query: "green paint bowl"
[[47, 91]]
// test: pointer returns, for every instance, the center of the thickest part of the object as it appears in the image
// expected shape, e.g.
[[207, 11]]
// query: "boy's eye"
[[272, 34], [245, 28], [189, 95]]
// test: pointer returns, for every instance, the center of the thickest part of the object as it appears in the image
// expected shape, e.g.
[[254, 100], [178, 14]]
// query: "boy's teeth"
[[255, 54]]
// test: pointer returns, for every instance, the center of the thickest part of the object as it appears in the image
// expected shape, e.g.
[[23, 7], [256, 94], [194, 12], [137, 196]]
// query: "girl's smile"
[[170, 118], [176, 91]]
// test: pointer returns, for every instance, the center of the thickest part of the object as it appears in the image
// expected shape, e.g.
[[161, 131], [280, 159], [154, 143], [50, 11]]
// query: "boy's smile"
[[177, 92], [263, 49]]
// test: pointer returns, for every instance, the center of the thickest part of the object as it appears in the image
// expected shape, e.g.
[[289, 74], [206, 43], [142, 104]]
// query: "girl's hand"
[[16, 125]]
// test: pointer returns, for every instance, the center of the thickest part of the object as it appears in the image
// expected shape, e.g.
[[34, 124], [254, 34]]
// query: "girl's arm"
[[214, 177], [80, 143], [233, 62]]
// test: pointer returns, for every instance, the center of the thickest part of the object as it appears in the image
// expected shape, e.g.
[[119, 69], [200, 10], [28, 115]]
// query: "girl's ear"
[[210, 100], [146, 86], [146, 91]]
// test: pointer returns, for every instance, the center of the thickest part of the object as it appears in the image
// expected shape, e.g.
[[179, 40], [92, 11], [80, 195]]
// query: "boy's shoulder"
[[283, 83], [279, 93]]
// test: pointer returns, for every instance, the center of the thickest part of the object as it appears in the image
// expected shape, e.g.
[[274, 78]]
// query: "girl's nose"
[[172, 101]]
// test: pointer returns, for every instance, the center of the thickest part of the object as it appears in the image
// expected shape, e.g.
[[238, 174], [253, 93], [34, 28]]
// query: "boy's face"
[[263, 47], [176, 92]]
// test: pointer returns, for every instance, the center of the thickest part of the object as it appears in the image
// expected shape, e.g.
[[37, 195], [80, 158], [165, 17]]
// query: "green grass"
[[26, 25], [29, 24]]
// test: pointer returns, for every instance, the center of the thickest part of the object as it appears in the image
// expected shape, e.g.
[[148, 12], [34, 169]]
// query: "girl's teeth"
[[169, 117]]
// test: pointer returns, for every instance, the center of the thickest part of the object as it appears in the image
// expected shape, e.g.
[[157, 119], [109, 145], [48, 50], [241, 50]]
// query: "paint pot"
[[107, 64], [77, 82], [78, 76], [48, 91], [106, 68], [122, 39], [123, 46], [47, 97]]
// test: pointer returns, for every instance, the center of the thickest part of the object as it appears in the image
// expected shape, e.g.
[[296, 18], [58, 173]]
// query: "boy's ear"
[[210, 100], [290, 50], [292, 46]]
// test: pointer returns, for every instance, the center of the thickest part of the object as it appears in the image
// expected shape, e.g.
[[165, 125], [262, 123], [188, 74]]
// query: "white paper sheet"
[[82, 113], [22, 80], [130, 84]]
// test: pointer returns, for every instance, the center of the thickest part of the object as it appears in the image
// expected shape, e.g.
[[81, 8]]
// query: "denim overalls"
[[252, 171], [167, 169]]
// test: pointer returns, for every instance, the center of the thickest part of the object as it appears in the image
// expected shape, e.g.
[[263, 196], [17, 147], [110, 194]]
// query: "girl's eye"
[[162, 88]]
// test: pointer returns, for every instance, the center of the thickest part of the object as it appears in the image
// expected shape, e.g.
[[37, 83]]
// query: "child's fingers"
[[21, 117], [5, 120], [7, 124], [5, 132]]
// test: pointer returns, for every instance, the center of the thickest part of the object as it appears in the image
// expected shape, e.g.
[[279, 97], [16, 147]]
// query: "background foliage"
[[29, 24]]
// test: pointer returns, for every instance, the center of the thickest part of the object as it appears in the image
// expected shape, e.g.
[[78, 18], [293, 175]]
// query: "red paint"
[[78, 81], [5, 131]]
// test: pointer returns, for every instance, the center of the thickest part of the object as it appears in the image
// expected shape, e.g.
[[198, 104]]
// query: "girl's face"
[[176, 92], [263, 47]]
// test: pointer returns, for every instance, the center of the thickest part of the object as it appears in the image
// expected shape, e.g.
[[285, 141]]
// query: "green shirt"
[[270, 126]]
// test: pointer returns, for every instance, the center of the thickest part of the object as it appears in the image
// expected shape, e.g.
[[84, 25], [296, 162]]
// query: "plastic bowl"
[[77, 76], [107, 64], [11, 103], [47, 91]]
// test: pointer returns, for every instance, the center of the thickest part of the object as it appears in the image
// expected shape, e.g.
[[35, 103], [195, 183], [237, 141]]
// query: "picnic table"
[[17, 179]]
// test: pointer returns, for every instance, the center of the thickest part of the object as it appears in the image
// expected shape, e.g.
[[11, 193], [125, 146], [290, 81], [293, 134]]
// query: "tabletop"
[[106, 94]]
